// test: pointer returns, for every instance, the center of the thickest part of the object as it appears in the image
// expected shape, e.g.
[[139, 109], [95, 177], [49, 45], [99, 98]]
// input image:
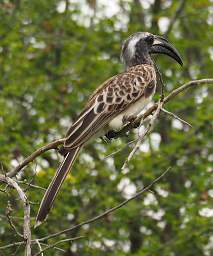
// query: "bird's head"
[[137, 49]]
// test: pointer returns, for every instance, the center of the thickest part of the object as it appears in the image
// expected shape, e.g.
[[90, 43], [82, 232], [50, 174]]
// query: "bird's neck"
[[140, 59]]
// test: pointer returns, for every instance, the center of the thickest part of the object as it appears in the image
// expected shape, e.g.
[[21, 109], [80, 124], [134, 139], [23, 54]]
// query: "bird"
[[113, 103]]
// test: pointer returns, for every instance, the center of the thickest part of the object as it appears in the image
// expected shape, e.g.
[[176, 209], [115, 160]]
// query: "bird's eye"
[[149, 39]]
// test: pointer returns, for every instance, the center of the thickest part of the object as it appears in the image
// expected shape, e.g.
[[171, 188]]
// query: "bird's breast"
[[133, 110]]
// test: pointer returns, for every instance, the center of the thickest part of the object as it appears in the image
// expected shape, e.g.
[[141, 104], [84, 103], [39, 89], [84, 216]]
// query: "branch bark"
[[38, 152], [26, 206]]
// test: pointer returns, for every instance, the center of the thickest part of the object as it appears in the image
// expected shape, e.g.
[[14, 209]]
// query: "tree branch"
[[8, 211], [173, 94], [175, 16], [39, 247], [144, 134], [176, 117], [38, 152], [56, 243], [26, 206], [111, 134], [138, 194]]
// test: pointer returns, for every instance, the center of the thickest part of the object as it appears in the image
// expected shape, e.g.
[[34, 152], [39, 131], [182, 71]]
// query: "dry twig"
[[38, 152], [98, 217], [8, 212], [56, 243], [113, 209], [175, 16], [176, 117], [26, 206], [39, 247], [144, 134]]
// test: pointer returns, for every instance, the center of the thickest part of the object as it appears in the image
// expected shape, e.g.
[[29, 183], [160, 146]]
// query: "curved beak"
[[162, 46]]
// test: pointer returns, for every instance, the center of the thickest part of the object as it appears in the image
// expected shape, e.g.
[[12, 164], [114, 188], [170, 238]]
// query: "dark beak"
[[162, 46]]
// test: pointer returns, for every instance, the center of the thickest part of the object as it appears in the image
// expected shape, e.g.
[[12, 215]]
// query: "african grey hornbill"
[[115, 101]]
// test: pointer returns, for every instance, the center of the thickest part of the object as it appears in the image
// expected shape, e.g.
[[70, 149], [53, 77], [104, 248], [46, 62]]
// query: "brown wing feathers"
[[108, 101]]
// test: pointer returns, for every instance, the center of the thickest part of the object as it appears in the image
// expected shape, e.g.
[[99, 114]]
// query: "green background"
[[53, 54]]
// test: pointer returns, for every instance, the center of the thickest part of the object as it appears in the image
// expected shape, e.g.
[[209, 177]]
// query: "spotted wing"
[[109, 100]]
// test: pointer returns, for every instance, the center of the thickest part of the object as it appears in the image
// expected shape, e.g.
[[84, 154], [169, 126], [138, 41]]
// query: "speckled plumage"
[[122, 96]]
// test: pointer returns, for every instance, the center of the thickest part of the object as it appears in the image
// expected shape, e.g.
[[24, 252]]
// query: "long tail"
[[55, 185]]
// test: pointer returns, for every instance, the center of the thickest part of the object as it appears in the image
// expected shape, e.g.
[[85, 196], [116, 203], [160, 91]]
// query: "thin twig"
[[176, 117], [55, 247], [26, 206], [31, 185], [113, 209], [39, 247], [8, 212], [30, 182], [58, 242], [186, 86], [11, 245], [175, 16], [32, 242], [144, 134], [120, 149]]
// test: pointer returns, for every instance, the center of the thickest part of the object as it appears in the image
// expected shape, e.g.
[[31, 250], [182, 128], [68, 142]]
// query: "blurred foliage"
[[53, 54]]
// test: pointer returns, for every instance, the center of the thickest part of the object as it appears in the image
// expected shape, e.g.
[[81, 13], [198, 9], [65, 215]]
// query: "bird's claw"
[[128, 119]]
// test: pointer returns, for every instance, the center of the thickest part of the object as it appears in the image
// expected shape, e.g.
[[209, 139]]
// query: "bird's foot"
[[109, 136], [129, 119]]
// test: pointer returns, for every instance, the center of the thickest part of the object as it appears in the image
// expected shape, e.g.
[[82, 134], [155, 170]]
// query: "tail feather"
[[55, 185]]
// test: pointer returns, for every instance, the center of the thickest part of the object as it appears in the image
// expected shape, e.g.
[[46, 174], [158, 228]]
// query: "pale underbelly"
[[133, 110]]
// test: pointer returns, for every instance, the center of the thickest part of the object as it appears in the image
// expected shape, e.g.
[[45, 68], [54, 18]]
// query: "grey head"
[[137, 49]]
